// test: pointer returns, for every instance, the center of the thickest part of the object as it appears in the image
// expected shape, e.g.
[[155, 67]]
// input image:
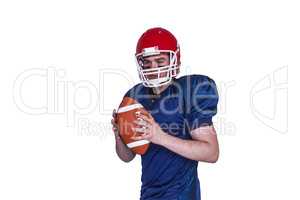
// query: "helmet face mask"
[[154, 43], [160, 75]]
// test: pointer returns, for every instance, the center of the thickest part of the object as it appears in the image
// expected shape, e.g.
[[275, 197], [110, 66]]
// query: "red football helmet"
[[154, 42]]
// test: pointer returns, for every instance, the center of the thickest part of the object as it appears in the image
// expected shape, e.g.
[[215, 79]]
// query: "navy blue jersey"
[[186, 104]]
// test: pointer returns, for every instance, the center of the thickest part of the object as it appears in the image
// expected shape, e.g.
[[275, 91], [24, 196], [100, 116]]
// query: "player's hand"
[[148, 129], [115, 128]]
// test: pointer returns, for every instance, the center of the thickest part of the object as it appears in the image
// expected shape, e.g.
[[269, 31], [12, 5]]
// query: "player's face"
[[156, 61]]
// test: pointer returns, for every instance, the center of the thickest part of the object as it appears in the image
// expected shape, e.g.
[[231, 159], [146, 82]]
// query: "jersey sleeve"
[[201, 102]]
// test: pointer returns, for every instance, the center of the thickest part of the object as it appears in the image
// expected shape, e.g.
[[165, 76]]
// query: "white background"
[[46, 150]]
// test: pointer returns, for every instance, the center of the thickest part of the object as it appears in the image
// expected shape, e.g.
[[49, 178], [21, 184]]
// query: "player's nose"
[[154, 64]]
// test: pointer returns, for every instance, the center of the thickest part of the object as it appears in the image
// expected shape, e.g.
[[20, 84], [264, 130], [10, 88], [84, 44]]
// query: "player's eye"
[[146, 64], [161, 60], [161, 63]]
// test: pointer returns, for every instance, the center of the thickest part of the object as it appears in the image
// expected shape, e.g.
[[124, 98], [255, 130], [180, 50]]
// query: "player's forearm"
[[124, 153], [191, 149]]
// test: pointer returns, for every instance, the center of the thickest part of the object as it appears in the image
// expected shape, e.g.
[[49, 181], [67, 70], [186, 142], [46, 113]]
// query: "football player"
[[180, 127]]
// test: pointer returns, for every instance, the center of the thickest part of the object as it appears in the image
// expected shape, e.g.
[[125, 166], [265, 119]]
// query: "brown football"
[[126, 114]]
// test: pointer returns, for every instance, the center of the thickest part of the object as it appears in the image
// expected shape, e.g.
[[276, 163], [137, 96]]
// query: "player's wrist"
[[161, 140]]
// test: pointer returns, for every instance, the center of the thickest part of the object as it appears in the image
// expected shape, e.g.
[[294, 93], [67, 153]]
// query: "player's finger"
[[140, 122], [146, 118], [114, 114], [113, 122], [141, 129], [114, 129], [140, 137], [136, 138], [143, 112]]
